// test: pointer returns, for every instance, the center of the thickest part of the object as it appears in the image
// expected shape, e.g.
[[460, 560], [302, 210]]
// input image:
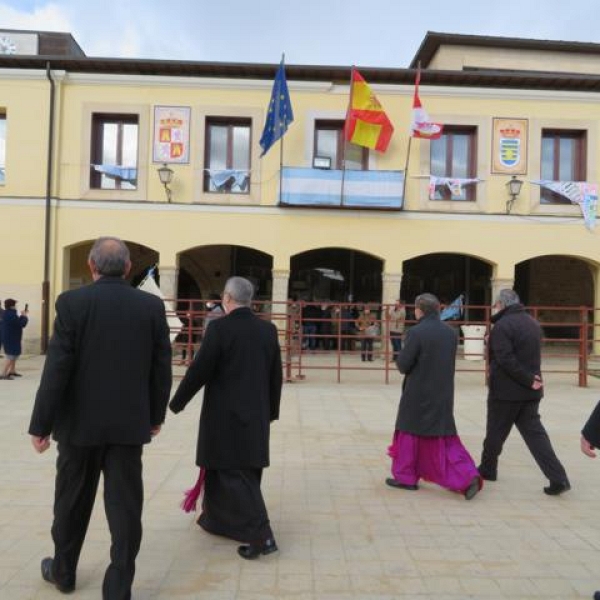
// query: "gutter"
[[46, 281]]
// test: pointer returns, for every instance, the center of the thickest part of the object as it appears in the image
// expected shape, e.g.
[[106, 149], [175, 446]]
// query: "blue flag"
[[280, 113], [453, 312]]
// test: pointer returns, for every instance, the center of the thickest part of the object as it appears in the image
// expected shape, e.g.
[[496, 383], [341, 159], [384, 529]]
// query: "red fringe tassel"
[[190, 498]]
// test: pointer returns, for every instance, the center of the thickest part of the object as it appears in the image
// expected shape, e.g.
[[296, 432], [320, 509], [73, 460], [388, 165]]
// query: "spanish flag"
[[366, 122]]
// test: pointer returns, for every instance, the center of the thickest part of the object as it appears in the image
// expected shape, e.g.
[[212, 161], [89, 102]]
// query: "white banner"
[[578, 192], [149, 285], [454, 184]]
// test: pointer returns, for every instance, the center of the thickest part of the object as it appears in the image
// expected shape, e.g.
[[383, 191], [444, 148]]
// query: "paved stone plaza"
[[343, 534]]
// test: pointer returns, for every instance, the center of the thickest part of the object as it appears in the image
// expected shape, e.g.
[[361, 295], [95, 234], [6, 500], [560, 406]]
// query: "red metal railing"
[[330, 342]]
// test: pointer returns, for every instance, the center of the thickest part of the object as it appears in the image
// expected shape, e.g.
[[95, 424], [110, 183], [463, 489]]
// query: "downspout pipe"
[[47, 219]]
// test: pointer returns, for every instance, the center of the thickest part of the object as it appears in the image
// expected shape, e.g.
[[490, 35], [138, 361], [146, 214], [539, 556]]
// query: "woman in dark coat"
[[12, 334]]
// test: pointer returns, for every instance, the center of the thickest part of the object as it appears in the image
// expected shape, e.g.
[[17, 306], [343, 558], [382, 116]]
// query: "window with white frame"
[[454, 156], [563, 159], [330, 143], [114, 151], [227, 155]]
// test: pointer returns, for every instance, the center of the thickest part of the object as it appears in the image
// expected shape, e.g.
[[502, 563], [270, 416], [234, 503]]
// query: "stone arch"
[[203, 270], [78, 274], [337, 274], [447, 275], [556, 280]]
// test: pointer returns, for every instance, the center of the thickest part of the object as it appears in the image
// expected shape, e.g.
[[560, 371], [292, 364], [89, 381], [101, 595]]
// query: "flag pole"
[[281, 144], [280, 167], [406, 170], [344, 136], [410, 137]]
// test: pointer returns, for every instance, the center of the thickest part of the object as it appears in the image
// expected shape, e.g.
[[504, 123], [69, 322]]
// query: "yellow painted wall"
[[25, 102], [455, 57], [79, 214]]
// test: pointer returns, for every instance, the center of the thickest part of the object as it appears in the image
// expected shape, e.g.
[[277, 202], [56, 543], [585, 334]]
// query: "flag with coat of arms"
[[367, 124], [422, 126]]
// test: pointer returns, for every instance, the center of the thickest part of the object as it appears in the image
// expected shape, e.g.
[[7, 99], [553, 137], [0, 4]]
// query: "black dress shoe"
[[403, 486], [252, 551], [487, 475], [47, 576], [555, 488], [16, 375], [473, 489]]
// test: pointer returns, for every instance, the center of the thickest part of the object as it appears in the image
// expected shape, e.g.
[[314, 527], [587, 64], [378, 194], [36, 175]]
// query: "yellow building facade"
[[473, 237]]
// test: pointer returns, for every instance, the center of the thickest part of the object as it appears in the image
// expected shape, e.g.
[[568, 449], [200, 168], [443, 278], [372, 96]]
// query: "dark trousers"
[[366, 348], [396, 339], [347, 341], [309, 331], [525, 415], [77, 477]]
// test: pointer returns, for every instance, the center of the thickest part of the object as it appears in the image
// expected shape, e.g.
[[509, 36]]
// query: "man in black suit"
[[239, 362], [515, 391], [103, 394], [590, 440]]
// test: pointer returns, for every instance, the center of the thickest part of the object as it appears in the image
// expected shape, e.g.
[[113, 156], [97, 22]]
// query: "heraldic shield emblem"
[[510, 147]]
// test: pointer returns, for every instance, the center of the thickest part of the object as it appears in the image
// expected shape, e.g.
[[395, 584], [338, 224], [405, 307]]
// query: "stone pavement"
[[343, 534]]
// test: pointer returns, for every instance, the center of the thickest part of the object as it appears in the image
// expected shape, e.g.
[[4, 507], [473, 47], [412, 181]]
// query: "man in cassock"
[[426, 445], [239, 362]]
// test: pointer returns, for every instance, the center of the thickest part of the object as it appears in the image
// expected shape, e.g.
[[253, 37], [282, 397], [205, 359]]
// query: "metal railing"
[[322, 337]]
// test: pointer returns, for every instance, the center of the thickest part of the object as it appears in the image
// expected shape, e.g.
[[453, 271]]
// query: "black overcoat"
[[11, 332], [239, 362], [107, 375], [515, 355], [428, 361], [591, 430]]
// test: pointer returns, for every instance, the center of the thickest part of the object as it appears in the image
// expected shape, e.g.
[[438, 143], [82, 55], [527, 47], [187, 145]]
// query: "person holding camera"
[[12, 335]]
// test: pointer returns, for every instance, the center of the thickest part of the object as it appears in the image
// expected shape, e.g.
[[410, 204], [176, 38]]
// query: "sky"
[[380, 33]]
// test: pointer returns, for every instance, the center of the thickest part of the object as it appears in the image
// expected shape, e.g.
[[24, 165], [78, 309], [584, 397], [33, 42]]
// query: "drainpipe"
[[46, 281]]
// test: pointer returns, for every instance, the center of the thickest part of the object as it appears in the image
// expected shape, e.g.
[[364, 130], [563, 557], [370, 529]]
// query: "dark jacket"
[[428, 361], [12, 331], [591, 430], [239, 362], [515, 355], [107, 375]]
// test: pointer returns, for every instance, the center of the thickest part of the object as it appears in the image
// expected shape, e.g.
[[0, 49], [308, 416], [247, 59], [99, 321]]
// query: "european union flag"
[[280, 113]]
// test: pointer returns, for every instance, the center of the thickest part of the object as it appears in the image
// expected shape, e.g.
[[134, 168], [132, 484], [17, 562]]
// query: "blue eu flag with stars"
[[280, 114]]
